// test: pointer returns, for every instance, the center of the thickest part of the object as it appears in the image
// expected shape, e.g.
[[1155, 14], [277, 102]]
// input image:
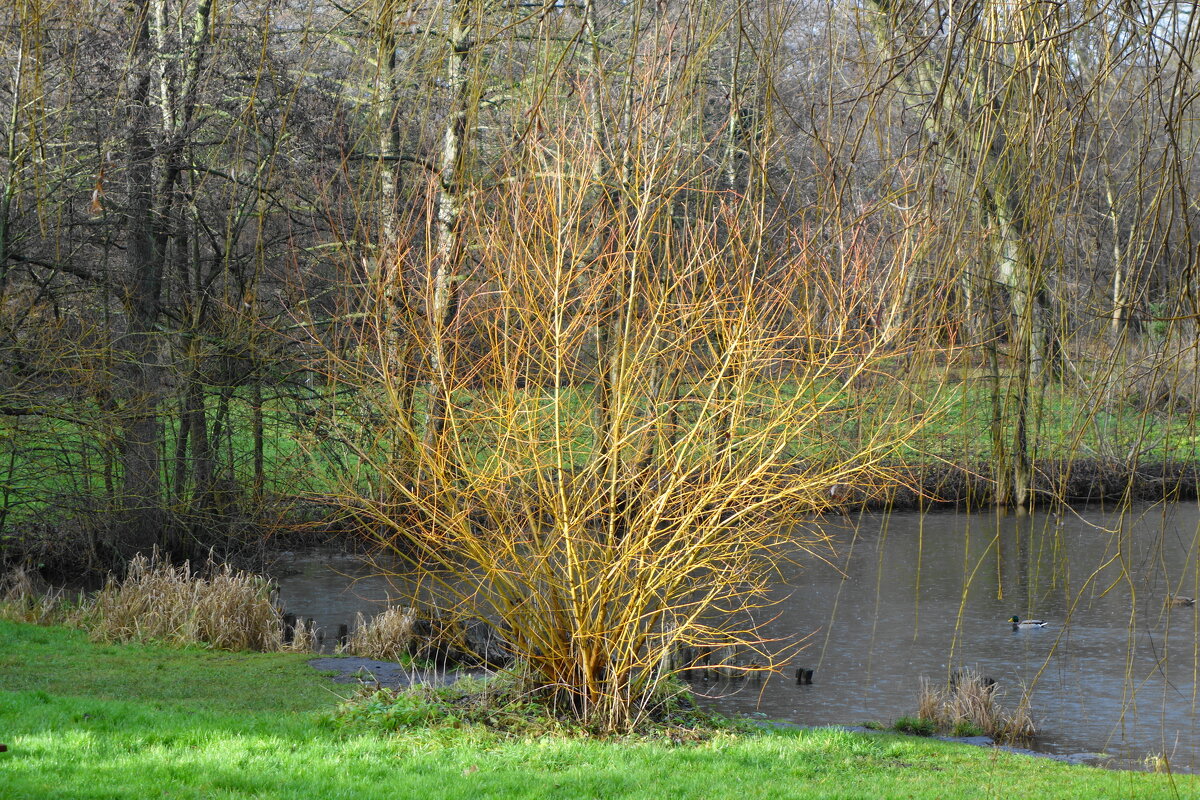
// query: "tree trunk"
[[611, 177], [450, 257], [149, 210], [1121, 317], [256, 421], [400, 354], [12, 155], [141, 433], [979, 157]]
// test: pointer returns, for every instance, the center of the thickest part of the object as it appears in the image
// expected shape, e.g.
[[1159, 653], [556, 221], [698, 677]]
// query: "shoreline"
[[135, 720], [394, 675], [1057, 482], [59, 549]]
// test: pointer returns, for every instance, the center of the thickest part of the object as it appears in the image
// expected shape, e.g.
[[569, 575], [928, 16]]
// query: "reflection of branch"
[[1158, 665]]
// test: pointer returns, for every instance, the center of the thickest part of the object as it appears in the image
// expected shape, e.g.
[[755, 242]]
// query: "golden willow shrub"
[[624, 428]]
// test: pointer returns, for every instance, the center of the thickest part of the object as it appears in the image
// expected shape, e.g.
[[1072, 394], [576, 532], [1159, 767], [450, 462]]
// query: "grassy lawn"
[[83, 720]]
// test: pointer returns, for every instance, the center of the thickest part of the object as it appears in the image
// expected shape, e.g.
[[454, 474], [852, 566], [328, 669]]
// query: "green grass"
[[915, 726], [1068, 425], [134, 721], [62, 662]]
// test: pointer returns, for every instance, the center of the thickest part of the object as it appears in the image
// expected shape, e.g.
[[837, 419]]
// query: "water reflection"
[[912, 596], [331, 587]]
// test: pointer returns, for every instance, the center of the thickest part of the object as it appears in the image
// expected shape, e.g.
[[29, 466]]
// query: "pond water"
[[907, 596]]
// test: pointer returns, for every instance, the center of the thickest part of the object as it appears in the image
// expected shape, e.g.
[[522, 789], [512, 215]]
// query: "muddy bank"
[[72, 553], [1071, 482], [388, 674]]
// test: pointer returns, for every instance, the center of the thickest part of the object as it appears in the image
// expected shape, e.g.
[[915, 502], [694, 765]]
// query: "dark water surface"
[[910, 596], [1113, 672]]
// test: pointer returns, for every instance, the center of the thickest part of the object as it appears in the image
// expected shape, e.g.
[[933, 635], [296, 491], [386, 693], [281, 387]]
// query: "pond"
[[908, 596]]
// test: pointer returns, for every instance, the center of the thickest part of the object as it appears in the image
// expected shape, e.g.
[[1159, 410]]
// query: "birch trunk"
[[400, 351], [13, 157], [449, 259], [1119, 321]]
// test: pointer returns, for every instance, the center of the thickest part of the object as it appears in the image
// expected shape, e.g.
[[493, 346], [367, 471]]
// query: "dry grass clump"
[[387, 636], [306, 638], [969, 702], [24, 597], [227, 609]]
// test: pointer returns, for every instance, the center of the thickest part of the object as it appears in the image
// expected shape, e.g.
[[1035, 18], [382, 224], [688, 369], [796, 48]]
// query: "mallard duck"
[[1180, 600], [1019, 623]]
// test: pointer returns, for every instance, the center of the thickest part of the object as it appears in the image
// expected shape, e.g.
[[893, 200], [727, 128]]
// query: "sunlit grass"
[[109, 721]]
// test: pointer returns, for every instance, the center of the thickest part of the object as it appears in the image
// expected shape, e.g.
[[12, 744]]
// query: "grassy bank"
[[115, 721], [53, 462]]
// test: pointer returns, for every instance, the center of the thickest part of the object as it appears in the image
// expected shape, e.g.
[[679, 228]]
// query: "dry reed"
[[387, 636], [970, 700], [227, 609], [25, 598], [306, 638]]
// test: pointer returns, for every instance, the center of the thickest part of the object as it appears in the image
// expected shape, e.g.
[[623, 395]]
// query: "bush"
[[393, 710], [964, 730], [615, 461]]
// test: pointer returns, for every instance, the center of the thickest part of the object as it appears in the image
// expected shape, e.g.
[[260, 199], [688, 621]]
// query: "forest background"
[[436, 271]]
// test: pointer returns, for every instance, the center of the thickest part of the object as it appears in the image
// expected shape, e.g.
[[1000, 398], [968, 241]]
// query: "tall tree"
[[986, 80]]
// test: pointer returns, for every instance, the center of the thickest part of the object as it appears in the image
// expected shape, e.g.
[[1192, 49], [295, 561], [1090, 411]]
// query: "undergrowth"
[[24, 598], [212, 606], [915, 726], [502, 704]]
